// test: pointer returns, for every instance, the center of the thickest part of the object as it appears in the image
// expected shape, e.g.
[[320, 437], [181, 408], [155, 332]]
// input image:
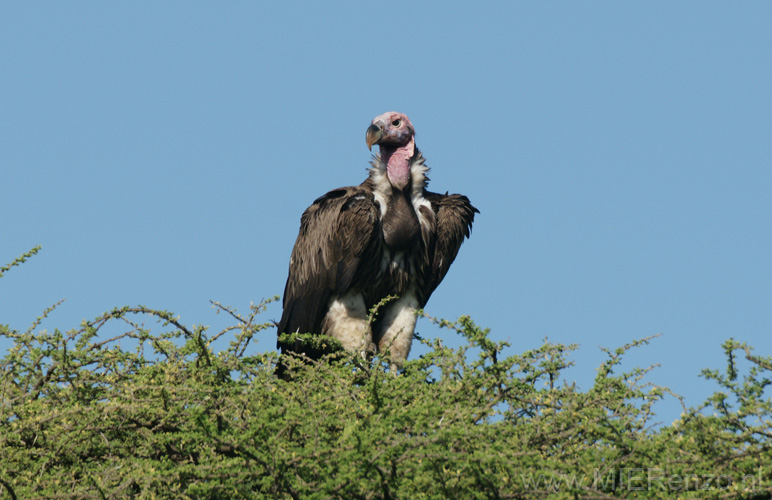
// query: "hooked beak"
[[374, 134]]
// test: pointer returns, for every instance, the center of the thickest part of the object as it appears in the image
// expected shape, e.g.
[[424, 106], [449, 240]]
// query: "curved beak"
[[374, 134]]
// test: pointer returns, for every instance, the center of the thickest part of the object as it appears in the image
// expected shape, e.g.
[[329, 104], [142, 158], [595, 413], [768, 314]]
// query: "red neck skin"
[[398, 163]]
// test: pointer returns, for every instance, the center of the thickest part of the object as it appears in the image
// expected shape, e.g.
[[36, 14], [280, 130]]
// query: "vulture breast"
[[400, 223]]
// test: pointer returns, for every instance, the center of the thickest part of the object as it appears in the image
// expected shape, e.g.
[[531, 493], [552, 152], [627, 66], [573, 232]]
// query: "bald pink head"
[[390, 129], [395, 135]]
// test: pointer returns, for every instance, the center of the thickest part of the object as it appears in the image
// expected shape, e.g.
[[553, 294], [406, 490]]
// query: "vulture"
[[357, 245]]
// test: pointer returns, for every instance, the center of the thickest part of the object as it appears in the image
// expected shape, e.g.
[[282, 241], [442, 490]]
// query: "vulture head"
[[390, 130], [395, 135]]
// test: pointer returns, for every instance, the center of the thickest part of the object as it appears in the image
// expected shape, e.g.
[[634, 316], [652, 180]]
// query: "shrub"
[[164, 414]]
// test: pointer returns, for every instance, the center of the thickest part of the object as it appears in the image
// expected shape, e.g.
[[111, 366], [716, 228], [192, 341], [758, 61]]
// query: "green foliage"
[[173, 413], [19, 260]]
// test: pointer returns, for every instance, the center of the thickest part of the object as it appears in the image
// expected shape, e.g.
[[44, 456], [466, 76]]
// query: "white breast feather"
[[380, 178]]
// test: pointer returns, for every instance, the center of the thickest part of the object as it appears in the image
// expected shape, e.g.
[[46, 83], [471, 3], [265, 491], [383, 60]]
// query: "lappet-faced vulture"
[[388, 236]]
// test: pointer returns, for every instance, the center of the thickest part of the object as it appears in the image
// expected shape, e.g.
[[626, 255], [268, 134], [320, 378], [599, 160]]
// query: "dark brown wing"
[[337, 244], [453, 215]]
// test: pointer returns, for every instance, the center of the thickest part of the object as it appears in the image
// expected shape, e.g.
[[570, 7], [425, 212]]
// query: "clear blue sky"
[[620, 155]]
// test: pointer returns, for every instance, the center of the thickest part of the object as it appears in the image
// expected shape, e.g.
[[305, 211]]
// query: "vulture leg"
[[346, 321], [394, 331]]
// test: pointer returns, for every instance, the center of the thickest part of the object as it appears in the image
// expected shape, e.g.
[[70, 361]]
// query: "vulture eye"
[[396, 123]]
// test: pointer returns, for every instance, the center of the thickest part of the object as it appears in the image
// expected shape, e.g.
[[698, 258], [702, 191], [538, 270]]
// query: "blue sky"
[[620, 155]]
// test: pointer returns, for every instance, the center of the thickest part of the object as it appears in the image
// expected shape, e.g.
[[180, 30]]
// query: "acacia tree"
[[163, 413]]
